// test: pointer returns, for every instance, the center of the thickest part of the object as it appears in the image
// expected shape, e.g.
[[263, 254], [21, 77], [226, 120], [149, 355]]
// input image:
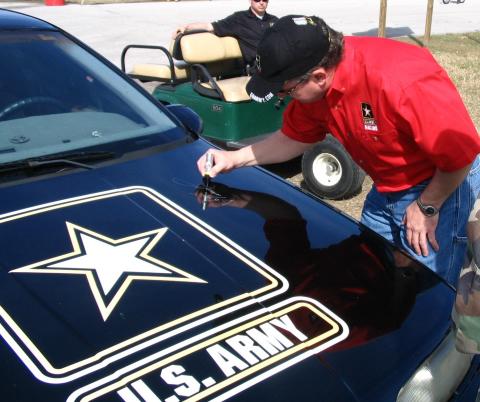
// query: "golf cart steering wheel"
[[25, 102]]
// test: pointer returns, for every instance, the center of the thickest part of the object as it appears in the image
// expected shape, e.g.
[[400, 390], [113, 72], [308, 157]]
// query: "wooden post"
[[383, 18], [428, 23]]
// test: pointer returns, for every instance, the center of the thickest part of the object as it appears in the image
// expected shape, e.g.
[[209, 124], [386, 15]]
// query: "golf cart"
[[207, 73]]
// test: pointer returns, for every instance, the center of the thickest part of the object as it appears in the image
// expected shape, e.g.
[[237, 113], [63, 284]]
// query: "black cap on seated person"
[[290, 48]]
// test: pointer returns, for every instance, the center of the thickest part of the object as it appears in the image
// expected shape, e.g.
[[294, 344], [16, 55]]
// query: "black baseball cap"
[[290, 48]]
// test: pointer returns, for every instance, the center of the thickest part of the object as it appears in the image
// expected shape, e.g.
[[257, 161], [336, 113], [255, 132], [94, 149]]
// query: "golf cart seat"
[[216, 66], [161, 72], [213, 64], [233, 89], [172, 72]]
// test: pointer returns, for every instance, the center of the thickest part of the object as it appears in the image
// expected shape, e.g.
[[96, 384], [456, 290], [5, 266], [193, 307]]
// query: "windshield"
[[56, 97]]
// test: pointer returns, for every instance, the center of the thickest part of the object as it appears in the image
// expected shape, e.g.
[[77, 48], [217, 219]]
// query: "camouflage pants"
[[466, 312]]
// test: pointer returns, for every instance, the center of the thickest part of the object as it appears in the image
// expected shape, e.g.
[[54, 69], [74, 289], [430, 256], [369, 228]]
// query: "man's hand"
[[223, 161], [202, 26], [275, 148], [420, 229], [178, 31]]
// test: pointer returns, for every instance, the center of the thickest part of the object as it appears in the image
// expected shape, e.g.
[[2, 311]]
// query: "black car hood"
[[116, 282]]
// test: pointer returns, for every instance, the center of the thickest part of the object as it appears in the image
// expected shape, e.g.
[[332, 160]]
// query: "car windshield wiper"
[[74, 159]]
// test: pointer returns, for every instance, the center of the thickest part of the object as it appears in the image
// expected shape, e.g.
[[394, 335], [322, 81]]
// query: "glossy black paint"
[[396, 310], [11, 20], [322, 254]]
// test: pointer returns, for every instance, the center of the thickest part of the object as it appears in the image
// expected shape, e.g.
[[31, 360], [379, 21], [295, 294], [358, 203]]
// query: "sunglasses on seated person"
[[258, 1]]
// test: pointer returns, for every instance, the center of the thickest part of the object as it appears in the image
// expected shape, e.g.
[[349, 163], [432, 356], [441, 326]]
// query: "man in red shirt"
[[397, 113]]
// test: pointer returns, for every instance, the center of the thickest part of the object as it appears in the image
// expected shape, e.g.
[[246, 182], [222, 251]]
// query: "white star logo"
[[367, 111], [111, 264]]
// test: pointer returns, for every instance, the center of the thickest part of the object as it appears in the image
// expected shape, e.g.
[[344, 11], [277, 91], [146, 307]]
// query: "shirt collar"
[[253, 15], [341, 80]]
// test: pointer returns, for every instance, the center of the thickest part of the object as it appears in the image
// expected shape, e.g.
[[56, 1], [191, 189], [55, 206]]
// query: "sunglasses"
[[258, 1], [290, 92]]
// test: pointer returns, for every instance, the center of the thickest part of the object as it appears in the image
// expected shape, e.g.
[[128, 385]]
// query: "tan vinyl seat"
[[221, 57], [161, 71], [218, 55], [205, 47], [234, 89]]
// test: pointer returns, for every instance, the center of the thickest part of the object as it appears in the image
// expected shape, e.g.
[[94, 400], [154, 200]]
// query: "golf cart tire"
[[446, 1], [329, 171]]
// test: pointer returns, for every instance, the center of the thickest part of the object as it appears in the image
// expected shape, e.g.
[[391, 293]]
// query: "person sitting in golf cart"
[[246, 26]]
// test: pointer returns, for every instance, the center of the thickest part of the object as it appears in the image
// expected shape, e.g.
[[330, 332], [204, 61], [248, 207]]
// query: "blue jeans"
[[384, 212]]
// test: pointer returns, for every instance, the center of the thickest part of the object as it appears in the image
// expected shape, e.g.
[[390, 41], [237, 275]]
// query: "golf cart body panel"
[[231, 121]]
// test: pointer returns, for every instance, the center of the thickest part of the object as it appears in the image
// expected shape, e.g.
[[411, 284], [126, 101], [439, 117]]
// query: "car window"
[[57, 97]]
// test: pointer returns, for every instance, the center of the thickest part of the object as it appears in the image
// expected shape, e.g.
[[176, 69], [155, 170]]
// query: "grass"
[[459, 54]]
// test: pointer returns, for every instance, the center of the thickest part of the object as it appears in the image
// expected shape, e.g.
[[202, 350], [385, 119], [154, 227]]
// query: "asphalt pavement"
[[108, 28]]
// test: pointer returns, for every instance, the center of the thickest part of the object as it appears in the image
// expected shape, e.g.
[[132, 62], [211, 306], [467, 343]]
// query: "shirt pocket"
[[386, 142]]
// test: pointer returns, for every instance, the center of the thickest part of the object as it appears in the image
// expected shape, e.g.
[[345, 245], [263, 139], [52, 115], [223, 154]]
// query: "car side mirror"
[[188, 118]]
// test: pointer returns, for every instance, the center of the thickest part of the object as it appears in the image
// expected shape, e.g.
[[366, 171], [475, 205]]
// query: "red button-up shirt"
[[394, 109]]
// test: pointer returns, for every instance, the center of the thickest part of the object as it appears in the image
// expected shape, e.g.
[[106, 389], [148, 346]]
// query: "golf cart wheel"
[[330, 172], [446, 1]]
